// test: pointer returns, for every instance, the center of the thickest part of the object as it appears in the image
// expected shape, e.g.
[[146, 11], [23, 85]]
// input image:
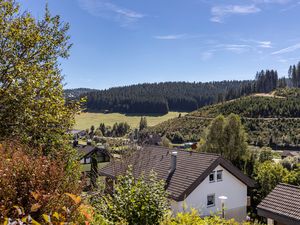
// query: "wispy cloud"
[[178, 36], [287, 50], [272, 1], [171, 37], [235, 48], [258, 43], [220, 12], [264, 44], [207, 55], [109, 10]]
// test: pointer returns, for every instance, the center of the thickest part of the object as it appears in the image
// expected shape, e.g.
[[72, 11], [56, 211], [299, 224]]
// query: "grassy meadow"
[[86, 120]]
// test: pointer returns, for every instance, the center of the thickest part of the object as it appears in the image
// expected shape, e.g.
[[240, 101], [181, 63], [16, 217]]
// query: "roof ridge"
[[182, 150], [290, 185]]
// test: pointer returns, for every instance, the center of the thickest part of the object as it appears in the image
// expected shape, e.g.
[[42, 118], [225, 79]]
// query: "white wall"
[[231, 187]]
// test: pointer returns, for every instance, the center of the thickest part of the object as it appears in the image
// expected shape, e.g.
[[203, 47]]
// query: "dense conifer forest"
[[160, 98]]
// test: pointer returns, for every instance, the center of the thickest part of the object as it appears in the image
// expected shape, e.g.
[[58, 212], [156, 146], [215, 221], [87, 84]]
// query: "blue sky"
[[122, 42]]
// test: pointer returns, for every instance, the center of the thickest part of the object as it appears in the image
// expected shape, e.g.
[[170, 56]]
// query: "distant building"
[[194, 179], [91, 158], [287, 153], [281, 206], [77, 133], [87, 152]]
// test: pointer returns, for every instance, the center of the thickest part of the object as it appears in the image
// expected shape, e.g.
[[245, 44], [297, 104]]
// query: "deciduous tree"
[[32, 105]]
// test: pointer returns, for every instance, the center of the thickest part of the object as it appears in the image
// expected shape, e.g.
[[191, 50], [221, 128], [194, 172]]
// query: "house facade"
[[193, 180], [205, 197]]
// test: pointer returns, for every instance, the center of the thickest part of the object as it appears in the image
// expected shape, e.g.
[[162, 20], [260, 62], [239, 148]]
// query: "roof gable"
[[191, 169], [283, 204]]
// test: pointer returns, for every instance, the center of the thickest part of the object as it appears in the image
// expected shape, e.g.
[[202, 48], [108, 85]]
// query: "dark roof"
[[191, 169], [286, 153], [86, 150], [282, 204], [76, 131]]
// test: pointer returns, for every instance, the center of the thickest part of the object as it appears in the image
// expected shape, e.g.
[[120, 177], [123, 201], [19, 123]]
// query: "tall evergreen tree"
[[143, 123]]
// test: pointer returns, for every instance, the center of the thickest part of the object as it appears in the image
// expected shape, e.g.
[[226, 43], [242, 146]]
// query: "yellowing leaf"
[[47, 218], [33, 222], [35, 195], [56, 215], [35, 207], [76, 199]]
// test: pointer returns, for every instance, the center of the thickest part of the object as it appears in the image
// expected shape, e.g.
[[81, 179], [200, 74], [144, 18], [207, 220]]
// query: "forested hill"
[[270, 119], [76, 92], [163, 97], [160, 98]]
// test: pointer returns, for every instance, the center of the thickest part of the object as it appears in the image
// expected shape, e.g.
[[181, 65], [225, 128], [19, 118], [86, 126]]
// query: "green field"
[[86, 120]]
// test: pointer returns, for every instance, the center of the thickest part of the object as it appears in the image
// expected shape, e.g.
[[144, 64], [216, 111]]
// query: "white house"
[[193, 180]]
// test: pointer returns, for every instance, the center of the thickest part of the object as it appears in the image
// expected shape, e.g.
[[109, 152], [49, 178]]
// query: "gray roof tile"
[[191, 169]]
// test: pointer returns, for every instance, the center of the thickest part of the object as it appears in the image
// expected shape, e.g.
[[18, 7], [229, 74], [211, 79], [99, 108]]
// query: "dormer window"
[[212, 177], [219, 175]]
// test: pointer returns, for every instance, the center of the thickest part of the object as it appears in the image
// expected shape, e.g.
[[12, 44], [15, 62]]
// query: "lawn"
[[86, 120]]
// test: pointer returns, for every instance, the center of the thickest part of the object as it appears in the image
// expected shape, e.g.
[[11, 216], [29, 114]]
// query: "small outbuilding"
[[287, 153], [281, 206]]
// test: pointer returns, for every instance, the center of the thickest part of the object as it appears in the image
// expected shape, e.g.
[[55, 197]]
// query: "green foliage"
[[159, 98], [165, 142], [265, 155], [227, 137], [193, 218], [176, 137], [31, 92], [289, 162], [214, 140], [288, 92], [34, 111], [294, 75], [135, 201], [266, 81], [268, 121], [268, 175], [143, 123]]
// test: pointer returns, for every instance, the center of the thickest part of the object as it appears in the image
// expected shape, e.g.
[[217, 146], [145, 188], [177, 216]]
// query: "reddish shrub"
[[35, 183]]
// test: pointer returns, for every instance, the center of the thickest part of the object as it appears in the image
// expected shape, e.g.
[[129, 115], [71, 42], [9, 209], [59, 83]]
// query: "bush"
[[134, 201], [34, 183], [193, 218], [265, 155]]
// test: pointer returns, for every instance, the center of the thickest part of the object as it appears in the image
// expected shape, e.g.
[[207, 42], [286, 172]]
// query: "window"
[[212, 177], [219, 175], [210, 200], [87, 160]]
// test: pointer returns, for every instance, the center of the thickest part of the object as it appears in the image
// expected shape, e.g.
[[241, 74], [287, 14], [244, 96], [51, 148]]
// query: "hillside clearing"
[[86, 120]]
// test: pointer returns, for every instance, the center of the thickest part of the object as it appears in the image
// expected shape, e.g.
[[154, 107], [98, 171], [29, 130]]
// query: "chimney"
[[89, 142], [173, 161]]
